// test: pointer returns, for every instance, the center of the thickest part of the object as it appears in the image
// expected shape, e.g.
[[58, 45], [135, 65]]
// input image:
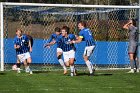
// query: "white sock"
[[90, 66], [72, 69], [27, 69], [62, 64], [18, 70]]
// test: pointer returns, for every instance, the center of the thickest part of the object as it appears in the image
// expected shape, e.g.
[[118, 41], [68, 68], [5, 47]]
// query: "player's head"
[[19, 32], [81, 25], [57, 30], [65, 30], [134, 22]]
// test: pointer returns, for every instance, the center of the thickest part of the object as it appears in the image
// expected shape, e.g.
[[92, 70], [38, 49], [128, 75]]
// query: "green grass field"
[[55, 82]]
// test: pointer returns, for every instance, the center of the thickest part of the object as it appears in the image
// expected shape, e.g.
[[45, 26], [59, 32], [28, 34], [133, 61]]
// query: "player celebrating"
[[51, 41], [68, 48], [86, 35], [22, 46], [132, 48]]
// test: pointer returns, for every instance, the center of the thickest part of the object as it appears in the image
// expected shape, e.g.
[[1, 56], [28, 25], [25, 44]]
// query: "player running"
[[51, 41], [132, 47], [68, 48], [86, 35]]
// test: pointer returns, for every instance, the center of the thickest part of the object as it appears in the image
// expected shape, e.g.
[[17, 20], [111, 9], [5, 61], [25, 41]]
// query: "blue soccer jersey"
[[86, 35], [23, 43], [55, 37], [66, 46]]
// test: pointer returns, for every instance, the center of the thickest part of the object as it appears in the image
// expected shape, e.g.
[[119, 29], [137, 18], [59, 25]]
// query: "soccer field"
[[54, 82]]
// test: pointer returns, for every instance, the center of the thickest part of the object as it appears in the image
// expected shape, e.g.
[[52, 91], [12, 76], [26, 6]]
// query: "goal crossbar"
[[71, 5]]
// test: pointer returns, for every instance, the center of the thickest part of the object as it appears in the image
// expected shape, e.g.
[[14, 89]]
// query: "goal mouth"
[[39, 21]]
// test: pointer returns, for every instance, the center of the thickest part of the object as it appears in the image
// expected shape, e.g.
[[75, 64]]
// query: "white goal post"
[[1, 36], [100, 7]]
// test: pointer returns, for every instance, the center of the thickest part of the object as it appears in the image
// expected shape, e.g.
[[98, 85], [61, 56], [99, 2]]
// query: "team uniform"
[[68, 49], [55, 37], [86, 36], [132, 47], [59, 49], [22, 52]]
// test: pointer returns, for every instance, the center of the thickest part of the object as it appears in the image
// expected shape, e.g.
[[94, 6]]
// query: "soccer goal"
[[40, 20]]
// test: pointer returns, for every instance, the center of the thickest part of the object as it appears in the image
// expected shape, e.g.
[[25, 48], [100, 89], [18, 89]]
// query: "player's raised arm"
[[126, 26]]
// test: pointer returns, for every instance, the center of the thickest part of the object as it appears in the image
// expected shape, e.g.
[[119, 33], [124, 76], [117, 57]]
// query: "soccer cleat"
[[131, 71], [65, 72], [137, 70], [91, 74], [71, 74], [93, 71], [75, 72], [18, 70], [27, 69], [31, 72]]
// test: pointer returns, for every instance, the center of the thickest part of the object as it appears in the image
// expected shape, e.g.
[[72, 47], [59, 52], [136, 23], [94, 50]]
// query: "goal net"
[[39, 21]]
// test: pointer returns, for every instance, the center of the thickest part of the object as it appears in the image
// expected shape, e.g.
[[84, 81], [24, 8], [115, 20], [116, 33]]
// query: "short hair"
[[83, 23], [134, 22], [57, 29], [66, 28], [18, 30]]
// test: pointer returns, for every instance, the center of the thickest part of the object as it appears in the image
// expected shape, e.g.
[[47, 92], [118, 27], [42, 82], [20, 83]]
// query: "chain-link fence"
[[40, 21]]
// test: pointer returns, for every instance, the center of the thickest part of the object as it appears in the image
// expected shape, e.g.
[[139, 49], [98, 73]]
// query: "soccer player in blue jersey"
[[86, 35], [22, 46], [68, 48], [51, 41]]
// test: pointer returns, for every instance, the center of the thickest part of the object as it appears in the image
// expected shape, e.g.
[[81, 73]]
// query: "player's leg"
[[137, 64], [71, 62], [72, 68], [29, 60], [136, 57], [26, 66], [59, 54], [88, 51], [66, 58], [131, 57], [20, 58], [131, 52], [18, 65]]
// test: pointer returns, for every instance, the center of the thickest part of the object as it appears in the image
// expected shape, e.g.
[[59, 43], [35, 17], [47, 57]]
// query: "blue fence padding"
[[104, 53]]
